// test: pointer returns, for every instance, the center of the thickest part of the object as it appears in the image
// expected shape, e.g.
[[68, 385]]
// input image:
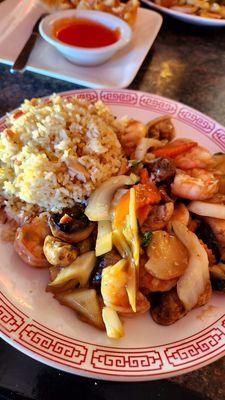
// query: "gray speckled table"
[[186, 63]]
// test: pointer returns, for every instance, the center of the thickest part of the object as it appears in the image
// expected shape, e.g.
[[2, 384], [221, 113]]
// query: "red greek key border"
[[55, 346], [146, 362], [11, 319]]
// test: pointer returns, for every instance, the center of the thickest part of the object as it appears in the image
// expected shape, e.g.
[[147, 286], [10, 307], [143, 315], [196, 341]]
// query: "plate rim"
[[160, 105]]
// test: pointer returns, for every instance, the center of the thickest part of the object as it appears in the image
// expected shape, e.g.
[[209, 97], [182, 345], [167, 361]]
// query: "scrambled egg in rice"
[[55, 152]]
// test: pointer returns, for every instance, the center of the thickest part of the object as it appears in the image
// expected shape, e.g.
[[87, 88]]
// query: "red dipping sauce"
[[81, 32]]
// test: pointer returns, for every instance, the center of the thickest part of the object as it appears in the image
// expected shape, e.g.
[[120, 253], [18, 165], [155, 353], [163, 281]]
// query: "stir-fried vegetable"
[[146, 194], [180, 214], [142, 214], [104, 238], [125, 238], [207, 209], [168, 257], [144, 145], [85, 302], [146, 237], [98, 208], [80, 270], [192, 283], [121, 211], [175, 148], [114, 327], [131, 228]]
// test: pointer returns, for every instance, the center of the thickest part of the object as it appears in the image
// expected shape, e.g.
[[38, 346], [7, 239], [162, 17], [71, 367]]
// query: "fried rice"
[[55, 152]]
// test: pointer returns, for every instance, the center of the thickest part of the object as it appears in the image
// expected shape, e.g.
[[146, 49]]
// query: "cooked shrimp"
[[197, 157], [29, 242], [196, 184], [113, 290], [134, 132]]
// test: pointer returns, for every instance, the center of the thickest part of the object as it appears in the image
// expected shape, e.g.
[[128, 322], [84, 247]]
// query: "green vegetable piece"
[[133, 163], [146, 237]]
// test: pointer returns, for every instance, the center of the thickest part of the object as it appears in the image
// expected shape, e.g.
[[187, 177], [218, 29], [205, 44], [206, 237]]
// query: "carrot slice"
[[142, 213], [146, 194], [174, 148], [144, 176], [121, 210]]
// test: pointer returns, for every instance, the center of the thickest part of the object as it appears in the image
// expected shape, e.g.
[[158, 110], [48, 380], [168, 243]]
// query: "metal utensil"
[[21, 61]]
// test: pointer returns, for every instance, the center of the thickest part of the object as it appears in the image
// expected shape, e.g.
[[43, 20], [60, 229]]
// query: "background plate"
[[191, 19], [32, 321]]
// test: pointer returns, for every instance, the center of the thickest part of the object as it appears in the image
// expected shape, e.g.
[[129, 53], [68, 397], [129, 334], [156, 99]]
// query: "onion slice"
[[144, 145], [192, 283], [207, 209], [98, 208]]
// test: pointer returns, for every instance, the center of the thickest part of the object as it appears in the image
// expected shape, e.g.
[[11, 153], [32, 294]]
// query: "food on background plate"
[[126, 11], [127, 218], [202, 8]]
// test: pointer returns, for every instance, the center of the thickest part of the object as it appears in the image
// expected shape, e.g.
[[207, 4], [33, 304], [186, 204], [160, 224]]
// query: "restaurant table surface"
[[186, 63]]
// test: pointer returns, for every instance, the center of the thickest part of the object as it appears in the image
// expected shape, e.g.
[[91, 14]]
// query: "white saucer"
[[17, 19]]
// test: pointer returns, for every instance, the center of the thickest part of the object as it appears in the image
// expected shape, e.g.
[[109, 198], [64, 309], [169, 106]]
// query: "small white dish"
[[189, 18], [118, 72], [80, 55]]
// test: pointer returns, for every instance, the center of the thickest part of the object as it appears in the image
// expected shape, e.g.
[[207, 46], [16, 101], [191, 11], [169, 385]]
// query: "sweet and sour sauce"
[[82, 32]]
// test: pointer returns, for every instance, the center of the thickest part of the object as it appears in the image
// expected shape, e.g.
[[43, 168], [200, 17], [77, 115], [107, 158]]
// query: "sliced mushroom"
[[217, 275], [218, 228], [166, 196], [72, 225], [110, 258], [86, 245], [217, 271], [158, 217], [207, 235], [58, 252], [167, 308], [162, 169], [161, 128]]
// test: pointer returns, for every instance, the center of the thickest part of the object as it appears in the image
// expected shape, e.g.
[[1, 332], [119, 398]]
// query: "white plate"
[[17, 19], [33, 322], [190, 18]]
